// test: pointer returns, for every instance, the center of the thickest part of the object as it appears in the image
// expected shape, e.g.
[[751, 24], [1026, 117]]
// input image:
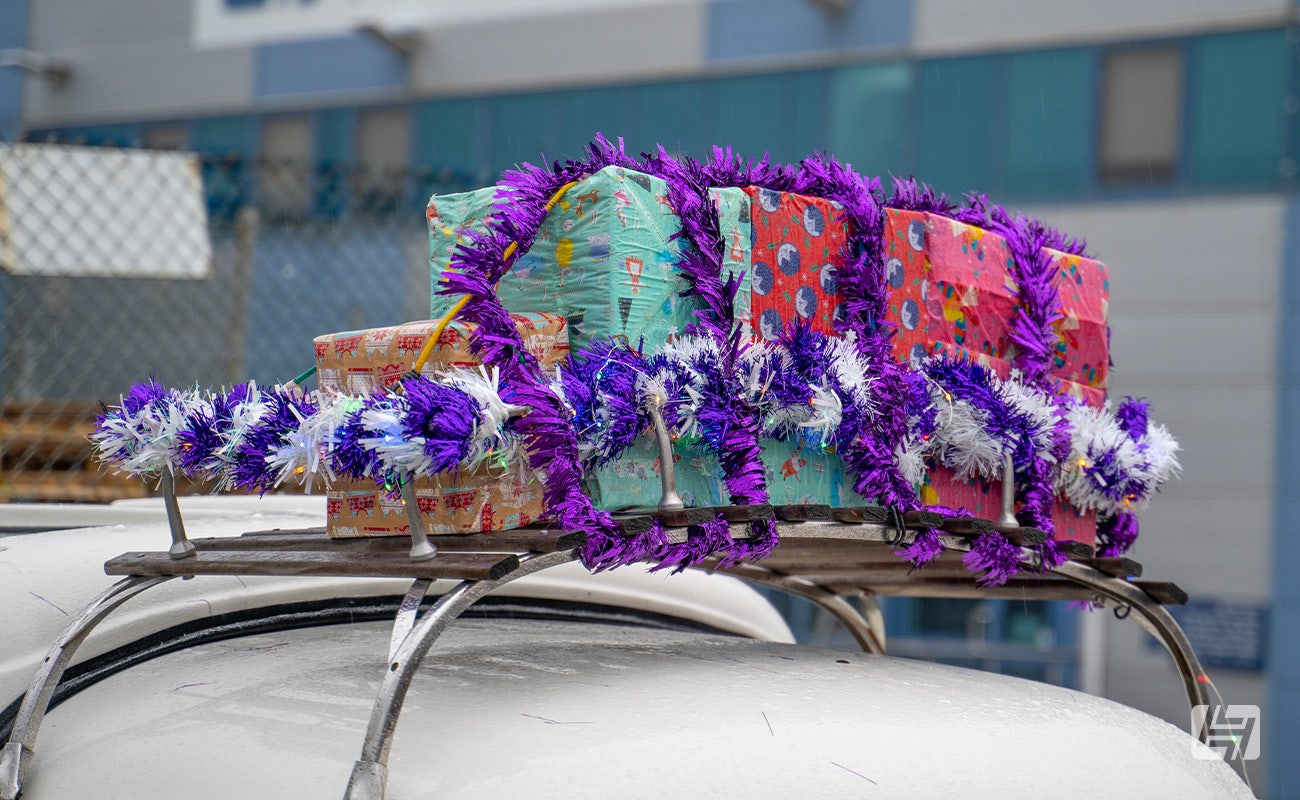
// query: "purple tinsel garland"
[[285, 411], [870, 453], [600, 384], [549, 439], [737, 443], [204, 432], [443, 416], [1034, 332]]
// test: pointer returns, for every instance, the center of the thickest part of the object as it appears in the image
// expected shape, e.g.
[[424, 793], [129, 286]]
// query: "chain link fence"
[[291, 251]]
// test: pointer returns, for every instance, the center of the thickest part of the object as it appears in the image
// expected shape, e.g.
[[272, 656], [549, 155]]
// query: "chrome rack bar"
[[421, 548], [17, 754], [181, 547], [370, 773]]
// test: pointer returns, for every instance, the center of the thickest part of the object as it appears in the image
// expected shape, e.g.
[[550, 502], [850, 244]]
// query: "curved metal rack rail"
[[830, 556]]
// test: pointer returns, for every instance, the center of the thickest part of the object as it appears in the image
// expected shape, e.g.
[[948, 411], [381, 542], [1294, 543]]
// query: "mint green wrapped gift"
[[605, 258]]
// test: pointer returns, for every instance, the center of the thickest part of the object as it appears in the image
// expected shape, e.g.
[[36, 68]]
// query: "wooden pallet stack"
[[46, 457]]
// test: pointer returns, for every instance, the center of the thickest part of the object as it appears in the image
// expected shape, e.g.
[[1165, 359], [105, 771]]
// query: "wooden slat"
[[459, 566], [802, 513], [1163, 592], [733, 513], [680, 518], [512, 541], [955, 589], [634, 526], [1119, 566], [858, 514], [919, 520], [1023, 537], [305, 532], [968, 526], [1077, 551]]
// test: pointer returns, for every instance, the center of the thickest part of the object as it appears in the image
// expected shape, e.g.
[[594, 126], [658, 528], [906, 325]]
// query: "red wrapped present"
[[952, 293], [797, 243]]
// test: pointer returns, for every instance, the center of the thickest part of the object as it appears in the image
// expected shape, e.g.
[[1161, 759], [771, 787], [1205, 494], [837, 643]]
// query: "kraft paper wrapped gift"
[[605, 256], [357, 362], [490, 498]]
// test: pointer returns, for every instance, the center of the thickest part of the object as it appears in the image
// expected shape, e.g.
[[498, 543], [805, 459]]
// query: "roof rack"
[[830, 556]]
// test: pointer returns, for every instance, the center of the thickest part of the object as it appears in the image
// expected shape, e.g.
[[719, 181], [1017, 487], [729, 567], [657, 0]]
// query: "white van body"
[[566, 685]]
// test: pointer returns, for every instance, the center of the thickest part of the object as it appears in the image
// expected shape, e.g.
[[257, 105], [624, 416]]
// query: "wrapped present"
[[605, 256], [489, 498], [983, 498], [484, 500], [797, 242], [357, 362], [952, 293]]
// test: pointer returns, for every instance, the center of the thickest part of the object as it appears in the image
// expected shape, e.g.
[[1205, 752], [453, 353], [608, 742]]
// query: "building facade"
[[1164, 132]]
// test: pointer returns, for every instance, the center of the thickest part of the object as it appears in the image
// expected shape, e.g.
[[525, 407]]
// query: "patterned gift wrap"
[[605, 257], [484, 500], [983, 498], [357, 362], [798, 241], [952, 293]]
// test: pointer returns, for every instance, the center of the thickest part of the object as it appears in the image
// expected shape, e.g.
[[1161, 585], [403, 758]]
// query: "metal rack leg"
[[406, 613], [17, 754], [1157, 621], [871, 638], [370, 773]]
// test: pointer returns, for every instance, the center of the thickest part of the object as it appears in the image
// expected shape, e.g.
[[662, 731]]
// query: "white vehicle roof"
[[505, 709], [533, 708]]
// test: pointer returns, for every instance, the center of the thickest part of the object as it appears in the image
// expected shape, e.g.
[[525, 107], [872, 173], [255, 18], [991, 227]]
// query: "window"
[[166, 137], [285, 180], [383, 150], [1141, 116]]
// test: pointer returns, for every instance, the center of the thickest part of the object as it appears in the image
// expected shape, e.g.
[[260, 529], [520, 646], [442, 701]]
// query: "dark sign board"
[[1230, 634]]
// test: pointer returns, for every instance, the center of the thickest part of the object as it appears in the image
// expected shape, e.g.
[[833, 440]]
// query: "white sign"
[[102, 212], [236, 23]]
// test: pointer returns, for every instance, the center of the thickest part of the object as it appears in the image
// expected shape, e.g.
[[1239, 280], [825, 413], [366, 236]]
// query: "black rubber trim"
[[337, 611]]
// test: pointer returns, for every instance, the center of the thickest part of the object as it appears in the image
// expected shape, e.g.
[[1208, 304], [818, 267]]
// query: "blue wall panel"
[[1281, 715], [340, 64], [586, 112], [445, 135], [752, 29], [1050, 122], [1238, 126], [677, 115], [13, 33], [521, 128], [957, 124], [868, 117]]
